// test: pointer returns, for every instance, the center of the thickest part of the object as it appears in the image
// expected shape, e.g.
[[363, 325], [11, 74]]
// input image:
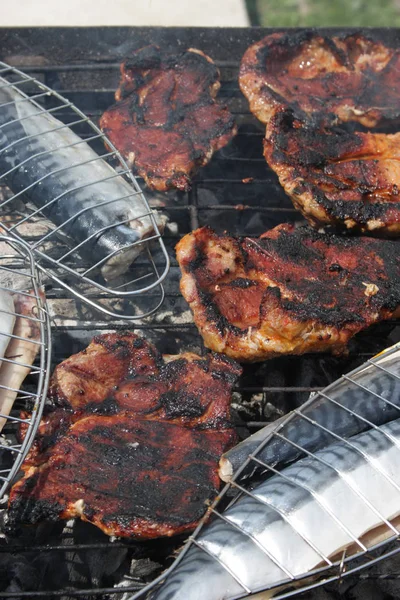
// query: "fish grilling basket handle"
[[85, 220], [363, 552], [25, 342]]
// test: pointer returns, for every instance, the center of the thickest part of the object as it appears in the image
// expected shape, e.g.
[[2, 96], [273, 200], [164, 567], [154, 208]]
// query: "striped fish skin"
[[49, 151], [349, 395], [316, 507]]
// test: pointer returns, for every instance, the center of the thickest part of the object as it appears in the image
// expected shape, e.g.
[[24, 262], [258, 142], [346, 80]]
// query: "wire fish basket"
[[27, 352], [352, 404], [68, 193]]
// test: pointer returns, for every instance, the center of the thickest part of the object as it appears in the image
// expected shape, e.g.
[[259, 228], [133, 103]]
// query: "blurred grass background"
[[328, 13]]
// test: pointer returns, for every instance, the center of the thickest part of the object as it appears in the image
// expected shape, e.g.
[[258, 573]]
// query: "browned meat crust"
[[351, 77], [289, 292], [302, 86], [347, 179], [166, 121], [133, 442]]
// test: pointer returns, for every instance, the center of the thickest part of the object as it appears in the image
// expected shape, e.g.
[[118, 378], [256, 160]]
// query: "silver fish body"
[[311, 511], [72, 186], [301, 517], [372, 394]]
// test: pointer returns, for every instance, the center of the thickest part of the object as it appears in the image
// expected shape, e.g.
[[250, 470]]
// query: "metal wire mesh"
[[362, 553], [89, 223], [219, 197], [30, 336]]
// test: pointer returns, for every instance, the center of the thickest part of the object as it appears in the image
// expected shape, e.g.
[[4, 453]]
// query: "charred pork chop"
[[303, 87], [351, 77], [290, 291], [347, 179], [133, 441], [166, 120]]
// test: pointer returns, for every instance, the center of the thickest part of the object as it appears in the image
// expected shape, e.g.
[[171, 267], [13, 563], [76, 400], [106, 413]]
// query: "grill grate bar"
[[347, 480], [21, 119], [195, 212], [101, 65], [13, 419], [315, 496], [230, 571], [26, 138], [63, 548], [44, 153], [87, 593], [193, 208], [283, 516], [119, 242], [383, 369], [348, 443], [36, 316]]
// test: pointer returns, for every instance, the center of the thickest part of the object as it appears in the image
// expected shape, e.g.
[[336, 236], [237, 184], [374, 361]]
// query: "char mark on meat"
[[133, 441], [350, 180], [352, 77], [304, 87], [289, 292], [166, 121]]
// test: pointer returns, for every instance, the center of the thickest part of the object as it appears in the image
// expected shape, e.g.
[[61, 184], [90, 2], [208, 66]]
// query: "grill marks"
[[135, 478], [351, 77], [166, 121], [289, 292], [141, 460], [349, 180], [302, 87], [92, 375]]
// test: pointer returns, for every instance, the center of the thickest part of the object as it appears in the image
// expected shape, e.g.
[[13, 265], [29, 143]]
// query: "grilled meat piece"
[[351, 77], [166, 121], [290, 291], [92, 376], [347, 179], [133, 442], [301, 86]]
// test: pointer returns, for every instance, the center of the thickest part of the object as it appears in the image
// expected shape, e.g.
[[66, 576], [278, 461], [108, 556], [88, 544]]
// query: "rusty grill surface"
[[238, 192]]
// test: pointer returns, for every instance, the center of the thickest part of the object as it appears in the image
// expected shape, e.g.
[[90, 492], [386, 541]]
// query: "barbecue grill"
[[236, 191]]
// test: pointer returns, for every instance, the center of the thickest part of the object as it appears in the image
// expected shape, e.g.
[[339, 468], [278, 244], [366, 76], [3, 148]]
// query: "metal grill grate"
[[343, 566], [17, 266], [88, 224], [220, 198]]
